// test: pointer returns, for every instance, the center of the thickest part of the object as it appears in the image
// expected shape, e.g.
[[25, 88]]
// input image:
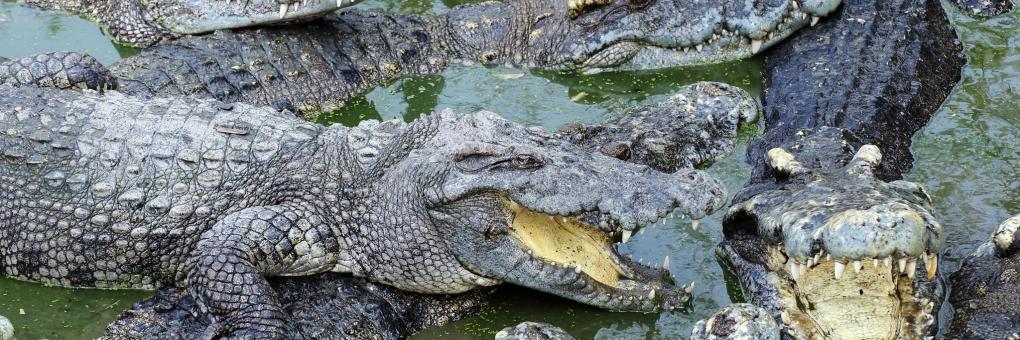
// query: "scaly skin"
[[737, 321], [533, 330], [319, 66], [831, 92], [986, 288], [216, 197], [713, 111], [147, 22], [986, 8], [64, 70]]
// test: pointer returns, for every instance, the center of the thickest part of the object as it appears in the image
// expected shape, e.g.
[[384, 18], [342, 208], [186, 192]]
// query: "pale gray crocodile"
[[147, 22], [114, 191]]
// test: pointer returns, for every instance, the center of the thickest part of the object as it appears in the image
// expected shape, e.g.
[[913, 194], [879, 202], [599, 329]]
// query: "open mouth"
[[571, 244], [836, 297]]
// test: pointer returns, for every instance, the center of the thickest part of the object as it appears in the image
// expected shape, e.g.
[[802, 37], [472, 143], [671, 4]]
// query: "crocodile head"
[[837, 253], [516, 205], [647, 34]]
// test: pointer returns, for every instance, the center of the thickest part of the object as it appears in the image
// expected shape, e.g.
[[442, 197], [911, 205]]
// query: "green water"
[[968, 158]]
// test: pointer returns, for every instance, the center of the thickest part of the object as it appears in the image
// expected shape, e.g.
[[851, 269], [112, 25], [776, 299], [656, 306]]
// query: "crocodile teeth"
[[902, 263], [665, 263], [626, 235], [874, 262], [887, 261], [283, 10], [911, 268], [699, 47], [838, 269], [695, 223], [857, 266], [755, 46], [814, 21], [932, 265], [651, 294]]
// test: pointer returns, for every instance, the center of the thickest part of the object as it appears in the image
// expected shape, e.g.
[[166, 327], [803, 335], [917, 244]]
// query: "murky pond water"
[[967, 157]]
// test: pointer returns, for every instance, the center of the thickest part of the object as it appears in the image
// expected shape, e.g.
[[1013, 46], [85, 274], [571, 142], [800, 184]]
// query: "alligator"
[[215, 197], [986, 288], [321, 65], [533, 331], [707, 116], [825, 197], [145, 23]]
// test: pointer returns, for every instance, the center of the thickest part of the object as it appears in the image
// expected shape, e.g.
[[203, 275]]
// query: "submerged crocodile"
[[216, 197], [321, 65], [147, 22], [986, 288], [824, 237]]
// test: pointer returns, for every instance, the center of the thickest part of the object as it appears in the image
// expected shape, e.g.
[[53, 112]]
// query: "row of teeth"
[[755, 43], [904, 265], [651, 294], [284, 8]]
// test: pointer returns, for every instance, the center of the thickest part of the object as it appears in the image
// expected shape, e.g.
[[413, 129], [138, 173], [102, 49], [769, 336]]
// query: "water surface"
[[967, 157]]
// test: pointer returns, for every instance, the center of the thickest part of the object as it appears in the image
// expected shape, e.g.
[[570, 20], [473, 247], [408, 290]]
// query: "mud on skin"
[[91, 203], [147, 22], [323, 64]]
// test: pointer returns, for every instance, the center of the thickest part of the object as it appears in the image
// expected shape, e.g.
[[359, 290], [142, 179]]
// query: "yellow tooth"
[[933, 266]]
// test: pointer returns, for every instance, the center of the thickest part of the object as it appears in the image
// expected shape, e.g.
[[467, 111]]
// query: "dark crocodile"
[[63, 70], [147, 22], [215, 197], [710, 113], [824, 229], [986, 288], [321, 65]]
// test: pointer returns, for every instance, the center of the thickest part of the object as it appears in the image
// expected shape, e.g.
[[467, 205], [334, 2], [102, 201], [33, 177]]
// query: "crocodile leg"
[[63, 70], [232, 260]]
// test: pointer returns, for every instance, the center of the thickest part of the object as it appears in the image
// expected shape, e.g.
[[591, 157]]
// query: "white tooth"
[[810, 262], [690, 289], [755, 46], [874, 262], [577, 269], [564, 219], [665, 263], [694, 224], [902, 263], [795, 5], [814, 21], [838, 269], [283, 10], [339, 3], [792, 268], [699, 47], [817, 257], [802, 270], [626, 235], [828, 257], [911, 268], [642, 231], [887, 261], [651, 294], [857, 266]]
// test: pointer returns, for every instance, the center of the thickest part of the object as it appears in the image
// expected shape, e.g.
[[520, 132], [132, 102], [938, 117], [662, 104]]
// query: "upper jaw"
[[203, 16]]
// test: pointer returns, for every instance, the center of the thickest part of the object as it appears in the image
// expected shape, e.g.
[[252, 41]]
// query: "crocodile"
[[62, 70], [825, 236], [147, 22], [986, 288], [706, 115], [986, 8], [215, 197], [321, 65]]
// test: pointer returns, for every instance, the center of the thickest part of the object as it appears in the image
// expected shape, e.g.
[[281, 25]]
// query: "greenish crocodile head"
[[648, 34], [517, 205], [833, 252]]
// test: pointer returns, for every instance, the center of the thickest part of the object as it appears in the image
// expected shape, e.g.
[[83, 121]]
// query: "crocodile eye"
[[525, 161]]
